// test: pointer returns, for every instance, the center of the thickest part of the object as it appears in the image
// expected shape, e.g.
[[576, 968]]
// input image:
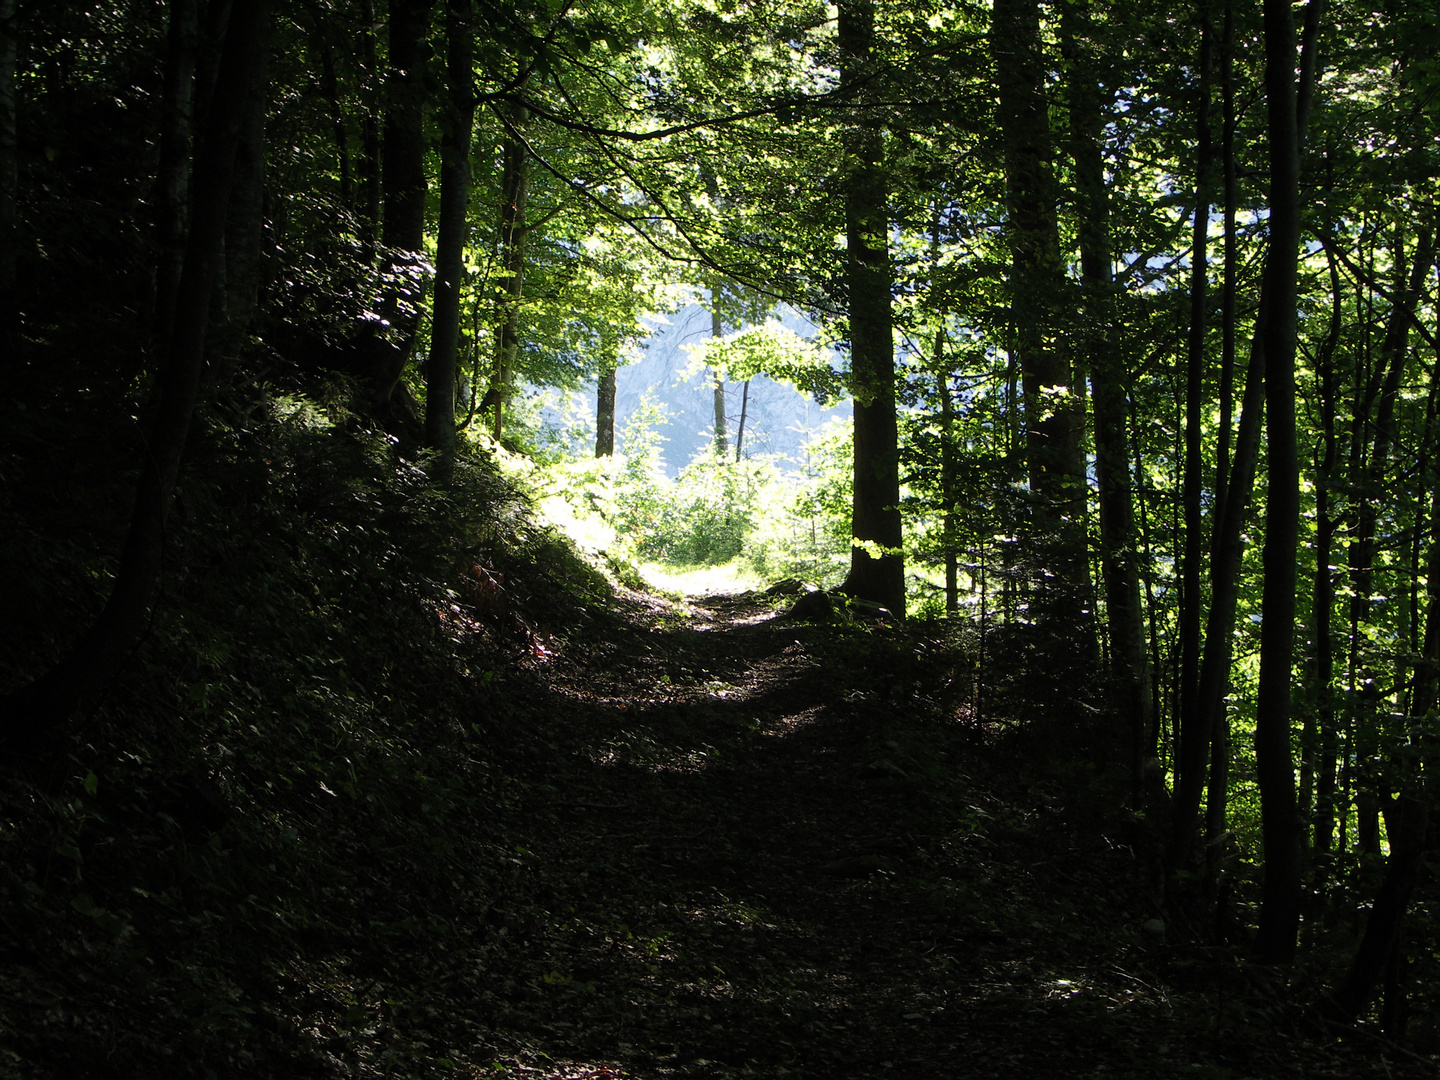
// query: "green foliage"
[[775, 351]]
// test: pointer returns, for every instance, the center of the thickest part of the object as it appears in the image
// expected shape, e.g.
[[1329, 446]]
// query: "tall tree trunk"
[[740, 427], [605, 408], [442, 364], [403, 181], [877, 567], [36, 715], [1218, 790], [172, 178], [948, 467], [367, 211], [1191, 759], [1054, 407], [1274, 765], [722, 441], [1129, 667], [9, 167], [514, 201], [1327, 526], [244, 234], [330, 86]]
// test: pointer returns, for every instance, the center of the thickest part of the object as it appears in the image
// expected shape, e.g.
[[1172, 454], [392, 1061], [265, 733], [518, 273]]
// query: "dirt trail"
[[761, 849]]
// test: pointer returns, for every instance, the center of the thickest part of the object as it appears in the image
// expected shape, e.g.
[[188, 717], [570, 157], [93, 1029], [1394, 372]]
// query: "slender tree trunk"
[[1327, 525], [9, 166], [740, 427], [1054, 407], [605, 408], [37, 714], [514, 201], [877, 567], [244, 234], [403, 180], [947, 476], [442, 365], [330, 85], [1192, 757], [1274, 765], [1218, 791], [1129, 667], [367, 212], [1407, 826], [722, 441], [172, 178]]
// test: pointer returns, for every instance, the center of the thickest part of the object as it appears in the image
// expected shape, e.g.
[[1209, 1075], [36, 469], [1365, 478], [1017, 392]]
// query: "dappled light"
[[719, 540]]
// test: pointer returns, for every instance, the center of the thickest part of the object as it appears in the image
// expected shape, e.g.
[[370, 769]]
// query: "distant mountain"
[[778, 419]]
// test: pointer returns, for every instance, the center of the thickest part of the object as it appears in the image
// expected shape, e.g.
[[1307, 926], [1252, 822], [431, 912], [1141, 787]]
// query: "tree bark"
[[1217, 792], [244, 234], [1327, 525], [722, 440], [1191, 760], [367, 212], [442, 364], [36, 715], [9, 169], [877, 566], [172, 178], [514, 200], [740, 427], [605, 408], [1274, 765], [1129, 667], [403, 183], [1053, 404]]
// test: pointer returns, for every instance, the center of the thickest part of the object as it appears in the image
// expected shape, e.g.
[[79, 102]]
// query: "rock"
[[812, 607]]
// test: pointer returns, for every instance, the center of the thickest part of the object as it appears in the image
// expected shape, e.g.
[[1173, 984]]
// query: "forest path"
[[760, 848]]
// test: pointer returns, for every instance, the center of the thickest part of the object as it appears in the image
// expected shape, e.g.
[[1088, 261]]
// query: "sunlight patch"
[[731, 577]]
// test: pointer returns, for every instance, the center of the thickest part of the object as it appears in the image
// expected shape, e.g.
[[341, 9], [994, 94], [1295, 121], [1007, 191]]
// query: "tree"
[[404, 189], [35, 714], [877, 568], [1053, 406], [459, 117]]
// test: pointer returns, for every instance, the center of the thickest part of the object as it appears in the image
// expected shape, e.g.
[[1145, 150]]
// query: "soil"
[[757, 847]]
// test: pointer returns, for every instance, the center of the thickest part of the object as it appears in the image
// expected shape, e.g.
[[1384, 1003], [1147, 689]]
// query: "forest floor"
[[669, 839], [752, 847]]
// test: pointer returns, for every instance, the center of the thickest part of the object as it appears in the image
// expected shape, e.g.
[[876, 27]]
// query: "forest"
[[371, 695]]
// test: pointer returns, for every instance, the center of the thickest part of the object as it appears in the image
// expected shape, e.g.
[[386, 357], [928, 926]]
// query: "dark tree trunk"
[[37, 714], [605, 409], [9, 176], [172, 178], [330, 85], [244, 234], [459, 118], [877, 566], [1327, 525], [1129, 666], [403, 182], [1191, 759], [367, 212], [1407, 823], [1274, 764], [1054, 406], [1218, 791], [722, 439], [514, 200], [740, 427], [947, 477]]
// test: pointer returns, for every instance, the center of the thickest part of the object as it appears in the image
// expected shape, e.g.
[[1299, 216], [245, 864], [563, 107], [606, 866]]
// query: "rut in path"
[[762, 848]]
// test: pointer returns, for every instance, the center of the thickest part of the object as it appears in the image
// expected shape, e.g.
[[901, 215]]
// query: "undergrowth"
[[293, 780]]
